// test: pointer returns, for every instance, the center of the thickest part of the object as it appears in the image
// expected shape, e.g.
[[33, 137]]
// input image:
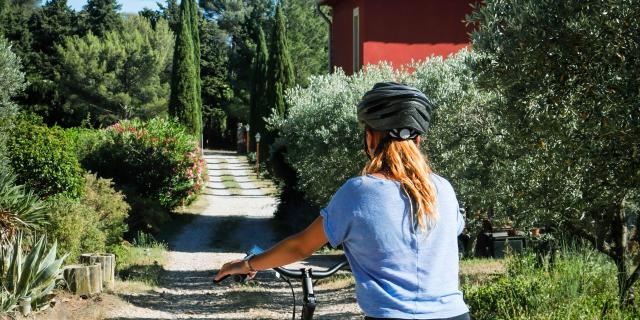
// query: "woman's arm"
[[291, 249]]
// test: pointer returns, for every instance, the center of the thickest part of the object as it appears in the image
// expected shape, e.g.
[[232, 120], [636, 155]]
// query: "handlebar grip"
[[236, 278]]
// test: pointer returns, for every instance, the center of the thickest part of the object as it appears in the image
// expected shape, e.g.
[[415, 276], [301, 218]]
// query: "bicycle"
[[306, 275]]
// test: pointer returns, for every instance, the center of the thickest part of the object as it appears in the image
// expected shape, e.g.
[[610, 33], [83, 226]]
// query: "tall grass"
[[140, 264], [579, 284]]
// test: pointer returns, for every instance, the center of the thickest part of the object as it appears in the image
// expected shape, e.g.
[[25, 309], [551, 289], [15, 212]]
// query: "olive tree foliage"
[[323, 140], [12, 82], [123, 75], [465, 143], [568, 74]]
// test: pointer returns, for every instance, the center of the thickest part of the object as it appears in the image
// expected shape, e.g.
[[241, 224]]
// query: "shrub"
[[86, 141], [91, 224], [109, 204], [157, 159], [577, 286], [75, 226], [323, 143], [44, 160], [321, 133], [146, 213]]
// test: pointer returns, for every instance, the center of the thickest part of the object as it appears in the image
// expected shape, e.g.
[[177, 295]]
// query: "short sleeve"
[[339, 214]]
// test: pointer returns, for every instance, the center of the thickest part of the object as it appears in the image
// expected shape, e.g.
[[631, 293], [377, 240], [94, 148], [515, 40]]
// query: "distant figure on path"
[[240, 136]]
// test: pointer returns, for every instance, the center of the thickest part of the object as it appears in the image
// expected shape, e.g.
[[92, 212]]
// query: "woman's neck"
[[380, 175]]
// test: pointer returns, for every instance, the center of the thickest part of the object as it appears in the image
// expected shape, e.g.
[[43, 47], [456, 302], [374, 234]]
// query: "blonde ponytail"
[[403, 161]]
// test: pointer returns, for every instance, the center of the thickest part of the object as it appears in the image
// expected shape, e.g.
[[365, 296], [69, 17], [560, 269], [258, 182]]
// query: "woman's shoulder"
[[440, 180], [371, 183], [367, 183]]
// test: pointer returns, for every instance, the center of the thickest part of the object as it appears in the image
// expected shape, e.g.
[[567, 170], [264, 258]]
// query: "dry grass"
[[479, 271], [132, 286]]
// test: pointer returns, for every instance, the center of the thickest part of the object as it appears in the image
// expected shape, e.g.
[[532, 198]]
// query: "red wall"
[[341, 29], [399, 31]]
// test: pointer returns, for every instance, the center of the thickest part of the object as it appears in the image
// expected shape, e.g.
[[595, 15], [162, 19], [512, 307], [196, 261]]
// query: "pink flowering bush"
[[158, 160]]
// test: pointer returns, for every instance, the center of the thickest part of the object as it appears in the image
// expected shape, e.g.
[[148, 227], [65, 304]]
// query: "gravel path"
[[235, 218]]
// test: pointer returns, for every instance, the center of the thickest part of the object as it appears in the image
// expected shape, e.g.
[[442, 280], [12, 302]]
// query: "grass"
[[580, 284], [477, 271], [140, 267], [231, 184]]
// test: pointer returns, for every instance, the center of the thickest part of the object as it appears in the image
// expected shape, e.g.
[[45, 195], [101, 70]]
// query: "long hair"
[[402, 161]]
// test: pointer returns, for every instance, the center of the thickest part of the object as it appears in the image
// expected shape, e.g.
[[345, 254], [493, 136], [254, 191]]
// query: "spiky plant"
[[19, 209], [33, 276]]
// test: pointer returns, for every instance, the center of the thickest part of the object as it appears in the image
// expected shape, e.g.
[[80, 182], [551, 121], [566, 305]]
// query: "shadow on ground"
[[266, 297]]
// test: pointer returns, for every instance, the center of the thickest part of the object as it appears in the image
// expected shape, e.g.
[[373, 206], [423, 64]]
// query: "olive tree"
[[464, 142], [12, 82], [567, 72]]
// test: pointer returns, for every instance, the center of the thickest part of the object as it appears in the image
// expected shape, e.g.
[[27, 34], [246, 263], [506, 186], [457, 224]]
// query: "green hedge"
[[44, 159]]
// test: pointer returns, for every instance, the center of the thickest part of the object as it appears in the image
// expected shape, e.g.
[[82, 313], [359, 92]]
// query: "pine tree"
[[259, 108], [171, 13], [281, 76], [49, 25], [183, 103], [308, 39], [101, 16]]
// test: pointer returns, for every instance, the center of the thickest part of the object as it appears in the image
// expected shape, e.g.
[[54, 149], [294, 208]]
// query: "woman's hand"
[[291, 249], [235, 267]]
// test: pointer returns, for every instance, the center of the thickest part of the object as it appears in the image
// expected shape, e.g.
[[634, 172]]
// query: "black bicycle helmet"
[[402, 110]]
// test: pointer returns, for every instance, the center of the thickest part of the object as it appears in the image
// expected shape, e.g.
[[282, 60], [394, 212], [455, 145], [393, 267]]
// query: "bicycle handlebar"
[[293, 273], [299, 274]]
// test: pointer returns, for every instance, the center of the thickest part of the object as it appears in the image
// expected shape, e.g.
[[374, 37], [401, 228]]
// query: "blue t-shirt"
[[400, 270]]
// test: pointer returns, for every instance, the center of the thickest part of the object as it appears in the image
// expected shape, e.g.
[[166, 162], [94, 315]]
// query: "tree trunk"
[[107, 264], [83, 280], [619, 235]]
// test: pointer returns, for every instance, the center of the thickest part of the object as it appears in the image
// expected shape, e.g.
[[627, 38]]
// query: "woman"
[[398, 222]]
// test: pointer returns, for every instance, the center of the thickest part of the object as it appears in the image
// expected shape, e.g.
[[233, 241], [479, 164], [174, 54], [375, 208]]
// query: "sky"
[[127, 5]]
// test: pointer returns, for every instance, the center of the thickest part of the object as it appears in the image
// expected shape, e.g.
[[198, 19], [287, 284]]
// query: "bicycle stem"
[[309, 299]]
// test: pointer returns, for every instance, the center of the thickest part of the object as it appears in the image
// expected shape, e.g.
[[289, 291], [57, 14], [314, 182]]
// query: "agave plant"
[[32, 276], [19, 209]]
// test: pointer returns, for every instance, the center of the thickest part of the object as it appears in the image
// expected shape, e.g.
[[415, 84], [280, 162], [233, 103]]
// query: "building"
[[399, 31]]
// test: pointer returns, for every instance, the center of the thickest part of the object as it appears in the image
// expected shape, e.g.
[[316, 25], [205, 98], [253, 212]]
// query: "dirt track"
[[233, 221]]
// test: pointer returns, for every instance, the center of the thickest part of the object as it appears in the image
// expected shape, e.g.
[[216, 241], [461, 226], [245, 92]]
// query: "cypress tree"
[[195, 36], [259, 108], [183, 103], [281, 76]]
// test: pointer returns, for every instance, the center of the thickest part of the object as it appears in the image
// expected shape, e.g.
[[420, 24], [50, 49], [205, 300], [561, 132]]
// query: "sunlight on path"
[[235, 218]]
